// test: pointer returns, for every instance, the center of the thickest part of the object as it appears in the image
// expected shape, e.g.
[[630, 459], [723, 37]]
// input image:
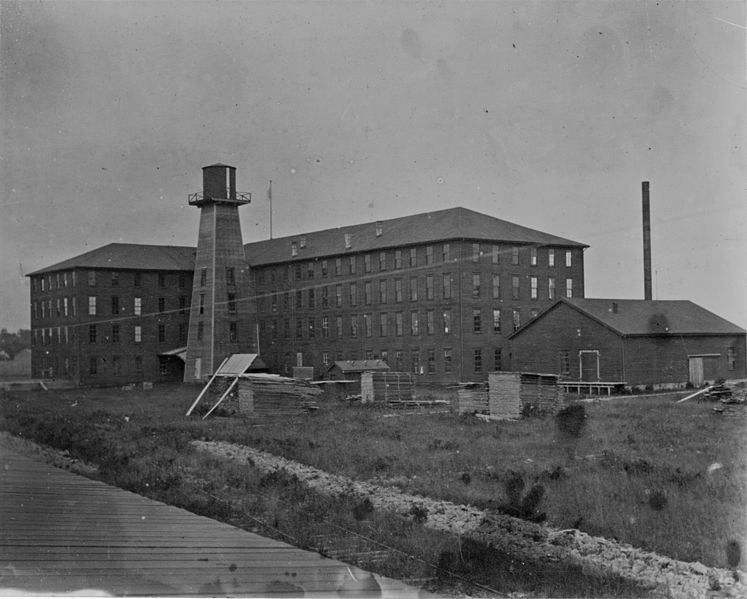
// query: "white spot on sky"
[[293, 171], [440, 180]]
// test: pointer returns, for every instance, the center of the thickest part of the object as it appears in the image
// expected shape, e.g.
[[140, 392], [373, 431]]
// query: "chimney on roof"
[[379, 228], [647, 295], [614, 308]]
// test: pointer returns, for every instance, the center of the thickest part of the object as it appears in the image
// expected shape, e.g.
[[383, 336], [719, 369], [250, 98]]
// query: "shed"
[[352, 369], [642, 343]]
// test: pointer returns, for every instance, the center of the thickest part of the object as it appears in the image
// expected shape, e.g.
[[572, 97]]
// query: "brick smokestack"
[[647, 295]]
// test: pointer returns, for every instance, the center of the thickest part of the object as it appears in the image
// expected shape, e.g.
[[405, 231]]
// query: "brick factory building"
[[435, 294]]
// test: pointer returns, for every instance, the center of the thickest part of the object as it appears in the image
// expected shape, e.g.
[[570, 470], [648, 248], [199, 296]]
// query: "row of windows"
[[233, 331], [230, 276], [101, 333], [63, 306], [412, 257], [67, 366], [61, 280], [386, 290], [386, 324]]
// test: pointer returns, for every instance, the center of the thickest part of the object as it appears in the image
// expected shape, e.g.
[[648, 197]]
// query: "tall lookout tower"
[[222, 317]]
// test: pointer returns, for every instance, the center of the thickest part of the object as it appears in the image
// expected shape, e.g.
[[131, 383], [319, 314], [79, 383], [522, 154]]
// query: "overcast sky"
[[548, 114]]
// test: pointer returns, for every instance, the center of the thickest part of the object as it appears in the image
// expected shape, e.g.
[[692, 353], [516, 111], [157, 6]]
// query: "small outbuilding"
[[643, 343], [353, 369]]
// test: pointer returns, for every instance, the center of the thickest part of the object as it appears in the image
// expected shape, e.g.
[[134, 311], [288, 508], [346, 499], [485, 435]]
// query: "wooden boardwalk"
[[63, 533]]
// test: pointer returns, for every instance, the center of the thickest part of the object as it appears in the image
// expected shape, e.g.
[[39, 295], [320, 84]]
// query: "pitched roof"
[[360, 365], [129, 256], [648, 317], [442, 225]]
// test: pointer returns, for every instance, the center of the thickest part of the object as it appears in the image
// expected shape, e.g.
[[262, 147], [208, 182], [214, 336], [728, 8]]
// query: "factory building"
[[436, 294]]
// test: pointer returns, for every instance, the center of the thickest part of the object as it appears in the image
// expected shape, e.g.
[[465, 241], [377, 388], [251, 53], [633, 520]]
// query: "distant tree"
[[12, 343]]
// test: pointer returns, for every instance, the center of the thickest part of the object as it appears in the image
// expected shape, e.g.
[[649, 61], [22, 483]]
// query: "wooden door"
[[589, 365], [696, 372]]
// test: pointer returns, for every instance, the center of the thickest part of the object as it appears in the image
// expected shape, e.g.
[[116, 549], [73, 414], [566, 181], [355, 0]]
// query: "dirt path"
[[525, 540]]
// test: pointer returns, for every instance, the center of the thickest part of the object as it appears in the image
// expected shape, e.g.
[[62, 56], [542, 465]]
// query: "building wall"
[[552, 346], [101, 347], [292, 322]]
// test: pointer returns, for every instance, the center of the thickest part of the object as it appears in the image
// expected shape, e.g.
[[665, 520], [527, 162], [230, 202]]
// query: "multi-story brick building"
[[436, 293]]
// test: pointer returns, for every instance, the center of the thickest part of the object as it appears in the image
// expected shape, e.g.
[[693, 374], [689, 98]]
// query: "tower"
[[221, 318]]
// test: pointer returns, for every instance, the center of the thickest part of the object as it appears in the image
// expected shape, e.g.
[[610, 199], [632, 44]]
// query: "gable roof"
[[359, 365], [134, 256], [629, 317], [442, 225]]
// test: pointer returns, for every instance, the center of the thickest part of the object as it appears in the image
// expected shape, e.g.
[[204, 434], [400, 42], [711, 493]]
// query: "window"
[[297, 270], [91, 333], [568, 258], [428, 255], [325, 358], [92, 365], [413, 289], [325, 270], [91, 306], [496, 320], [476, 320], [338, 295], [91, 279], [299, 328], [533, 313], [231, 303], [115, 279], [533, 287], [286, 327], [382, 261], [382, 291], [353, 325], [516, 319], [496, 286], [203, 277], [182, 331], [163, 365], [515, 287], [368, 324], [414, 324], [74, 306], [274, 328], [431, 361], [138, 333], [385, 355], [478, 360], [551, 288], [299, 299], [397, 290], [325, 297], [338, 326], [325, 326], [445, 253], [137, 306], [115, 333], [498, 359], [415, 361], [57, 306], [533, 256], [551, 257], [116, 370], [139, 364], [294, 249], [398, 259], [137, 279], [44, 309], [475, 252], [429, 287], [367, 293], [183, 304], [161, 279], [353, 294], [447, 285], [367, 263], [161, 304], [515, 255], [338, 266], [383, 324], [475, 284], [398, 324], [496, 254], [398, 360], [351, 263], [230, 275], [310, 270], [447, 359], [202, 303], [64, 306], [731, 358], [447, 321], [312, 328], [429, 322], [413, 254], [200, 330], [182, 280], [161, 333], [564, 362], [569, 287], [312, 298]]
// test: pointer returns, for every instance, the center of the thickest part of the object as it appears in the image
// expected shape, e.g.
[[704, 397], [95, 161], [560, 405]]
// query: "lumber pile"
[[512, 394], [388, 387], [472, 398], [275, 396]]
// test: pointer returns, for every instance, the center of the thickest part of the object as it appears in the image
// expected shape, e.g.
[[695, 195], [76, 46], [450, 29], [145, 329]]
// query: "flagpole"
[[269, 194]]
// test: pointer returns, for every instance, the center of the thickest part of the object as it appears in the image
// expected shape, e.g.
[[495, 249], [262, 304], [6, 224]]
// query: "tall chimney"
[[646, 242]]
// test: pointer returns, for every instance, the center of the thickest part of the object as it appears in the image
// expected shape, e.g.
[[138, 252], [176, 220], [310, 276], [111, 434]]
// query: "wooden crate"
[[387, 387]]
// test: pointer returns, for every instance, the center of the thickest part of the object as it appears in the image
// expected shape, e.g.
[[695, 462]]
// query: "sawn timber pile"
[[660, 574]]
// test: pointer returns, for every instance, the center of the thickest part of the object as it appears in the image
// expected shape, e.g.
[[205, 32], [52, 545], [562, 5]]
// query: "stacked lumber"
[[275, 396], [387, 387], [472, 398], [513, 393]]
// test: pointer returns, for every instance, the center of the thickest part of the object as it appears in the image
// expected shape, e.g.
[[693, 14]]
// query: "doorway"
[[589, 364]]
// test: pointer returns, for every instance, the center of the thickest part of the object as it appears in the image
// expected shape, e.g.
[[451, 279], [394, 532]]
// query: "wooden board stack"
[[472, 398], [387, 387], [275, 396], [510, 393]]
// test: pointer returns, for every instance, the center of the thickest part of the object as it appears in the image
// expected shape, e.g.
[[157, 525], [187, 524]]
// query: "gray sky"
[[548, 114]]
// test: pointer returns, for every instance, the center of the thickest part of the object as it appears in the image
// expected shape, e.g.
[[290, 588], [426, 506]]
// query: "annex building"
[[436, 294]]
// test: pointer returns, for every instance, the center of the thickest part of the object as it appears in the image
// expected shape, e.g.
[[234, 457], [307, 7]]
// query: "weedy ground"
[[666, 477]]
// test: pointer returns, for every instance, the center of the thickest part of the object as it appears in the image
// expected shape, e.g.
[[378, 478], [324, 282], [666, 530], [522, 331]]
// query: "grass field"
[[666, 477]]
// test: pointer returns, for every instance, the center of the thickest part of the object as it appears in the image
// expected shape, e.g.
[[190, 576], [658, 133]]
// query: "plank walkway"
[[63, 533]]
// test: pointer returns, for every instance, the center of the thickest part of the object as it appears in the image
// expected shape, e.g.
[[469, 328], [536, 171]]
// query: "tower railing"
[[197, 199]]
